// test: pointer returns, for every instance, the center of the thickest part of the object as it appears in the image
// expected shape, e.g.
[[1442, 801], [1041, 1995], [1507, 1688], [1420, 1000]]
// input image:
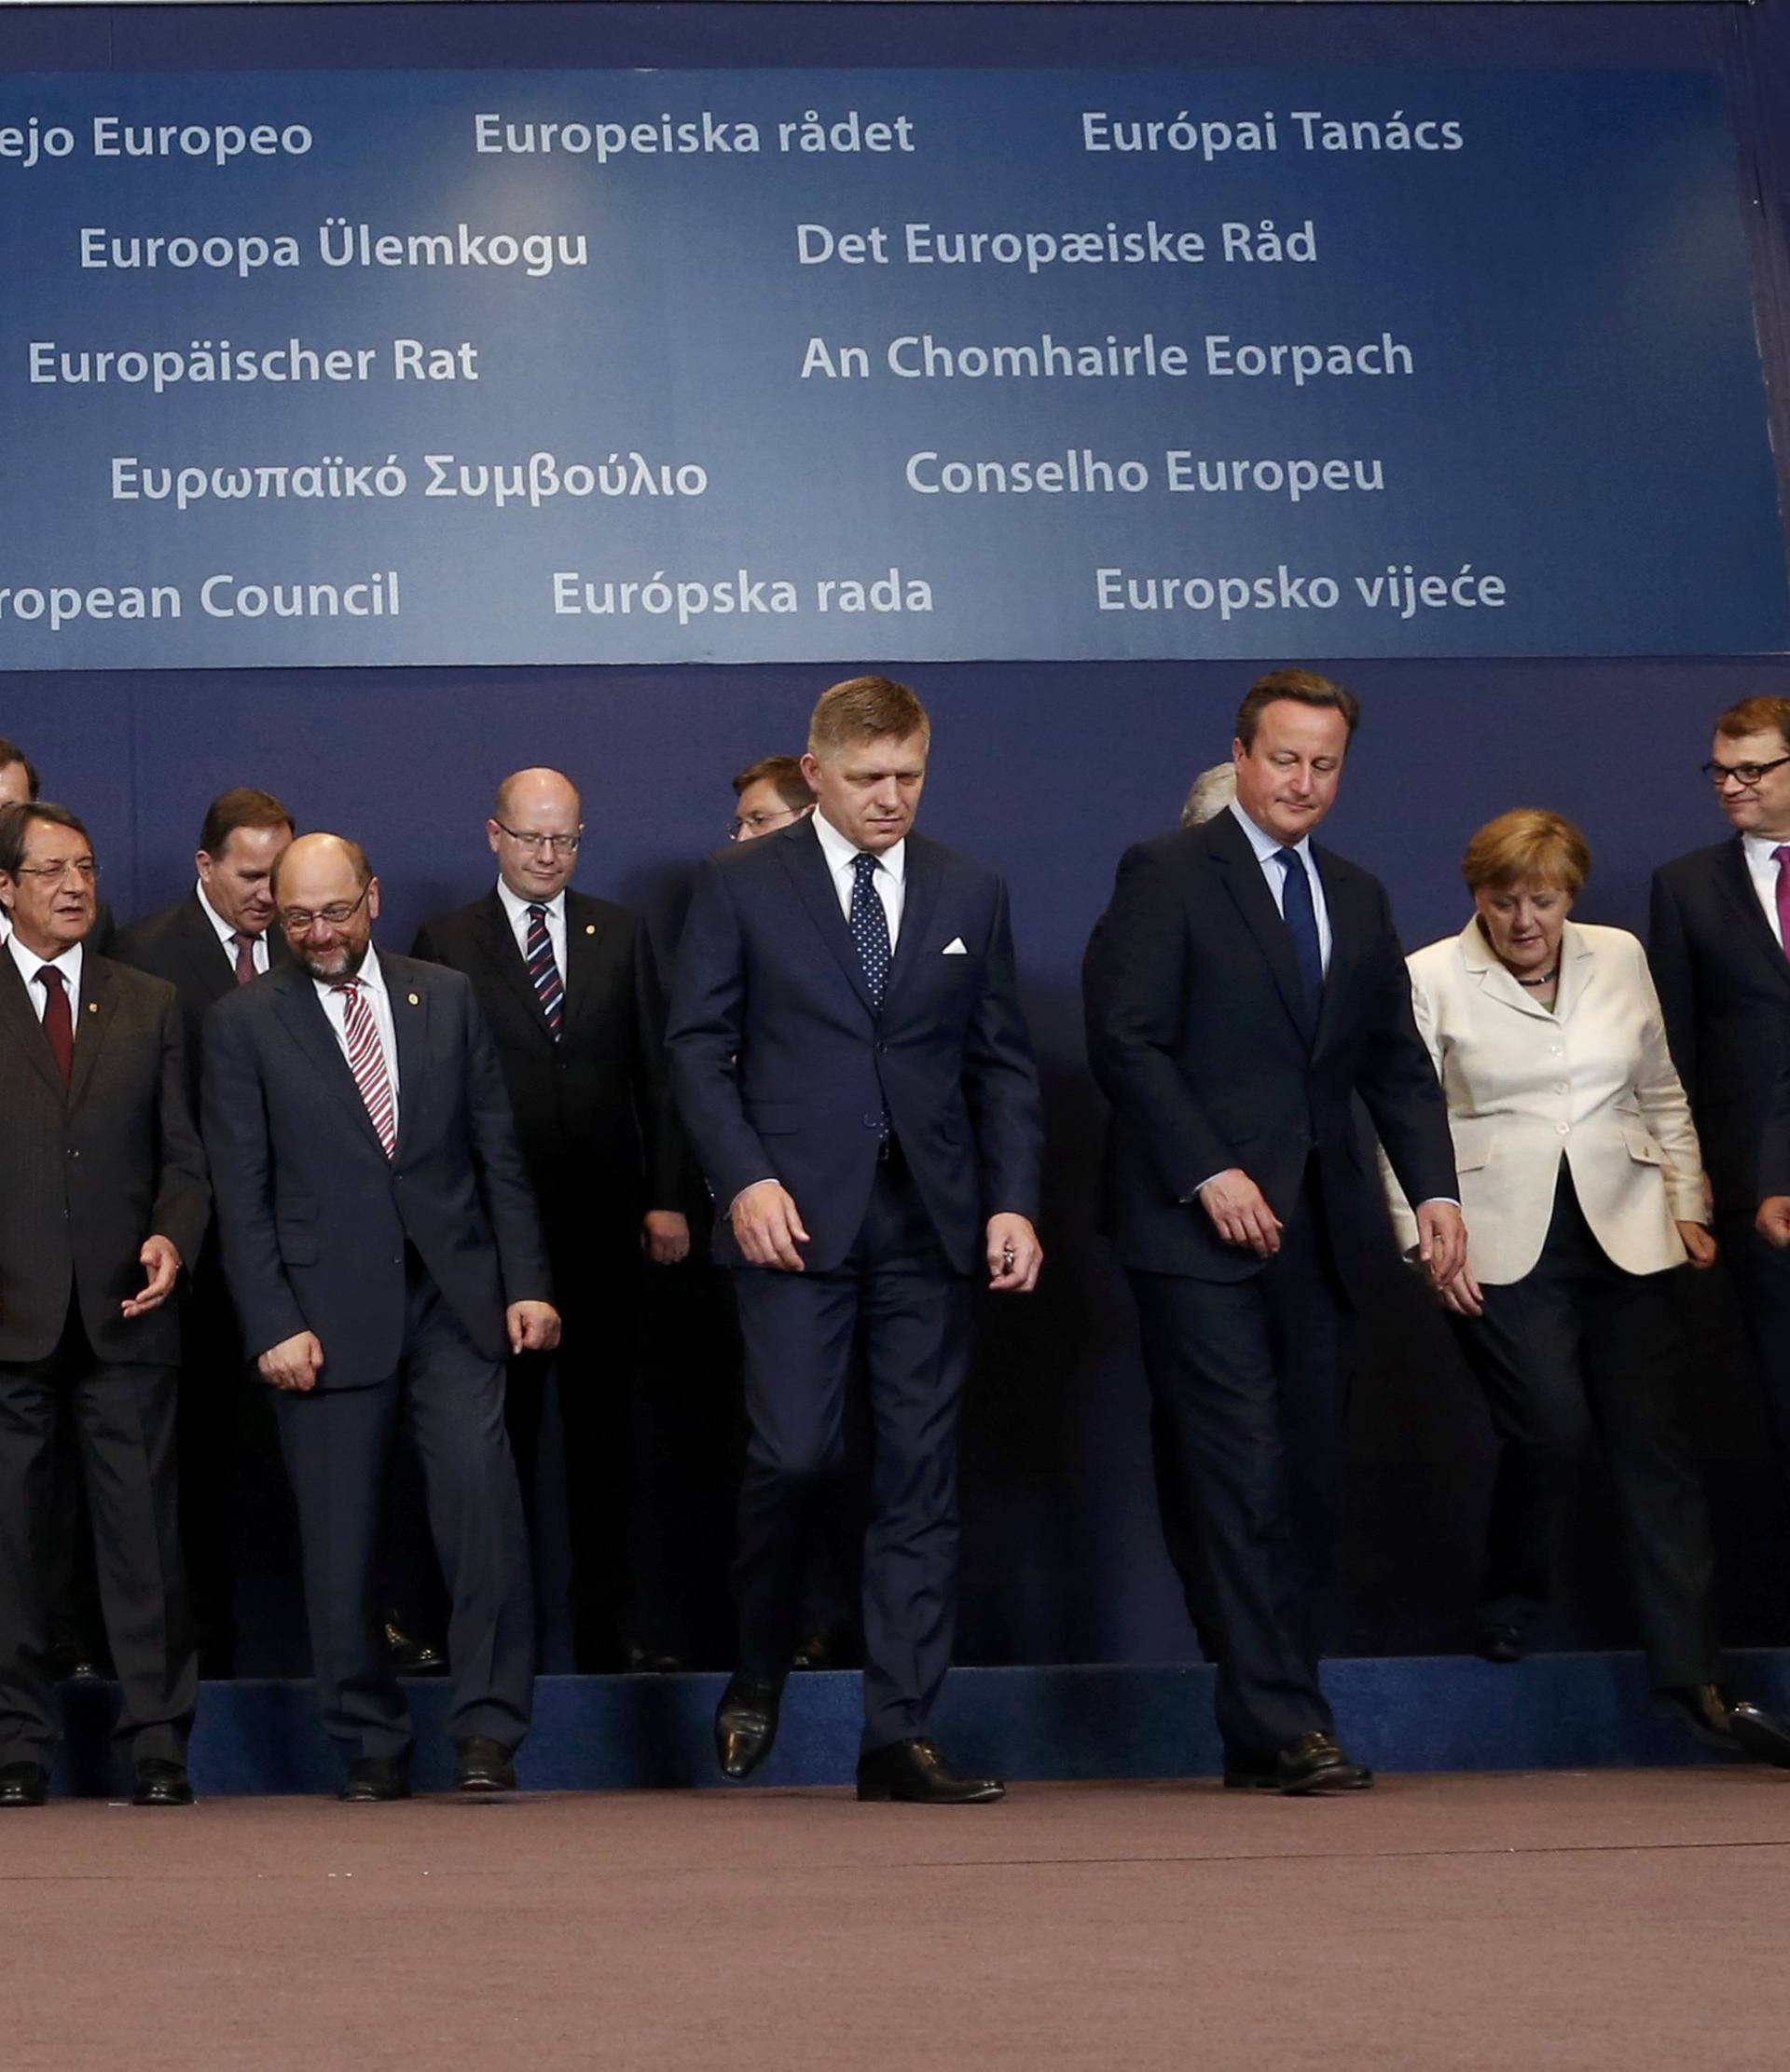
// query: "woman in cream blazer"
[[1583, 1188]]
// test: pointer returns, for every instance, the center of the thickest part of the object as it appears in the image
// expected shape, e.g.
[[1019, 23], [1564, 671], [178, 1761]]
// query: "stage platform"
[[1405, 1713], [1569, 1921]]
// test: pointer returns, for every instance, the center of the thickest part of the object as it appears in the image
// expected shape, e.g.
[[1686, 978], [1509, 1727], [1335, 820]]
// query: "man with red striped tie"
[[383, 1248]]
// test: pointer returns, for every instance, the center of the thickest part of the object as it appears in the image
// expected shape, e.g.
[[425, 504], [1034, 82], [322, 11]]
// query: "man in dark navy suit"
[[383, 1248], [1242, 989], [1720, 944], [850, 1060]]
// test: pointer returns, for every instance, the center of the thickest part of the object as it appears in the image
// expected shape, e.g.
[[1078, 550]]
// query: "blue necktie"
[[1302, 925], [869, 924]]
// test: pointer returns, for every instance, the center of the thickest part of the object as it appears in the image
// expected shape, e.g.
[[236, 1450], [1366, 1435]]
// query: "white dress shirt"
[[890, 879], [1762, 868], [30, 964], [1267, 847], [517, 910], [335, 1005], [226, 935]]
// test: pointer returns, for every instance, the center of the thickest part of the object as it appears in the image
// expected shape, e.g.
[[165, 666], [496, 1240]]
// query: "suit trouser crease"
[[338, 1444], [124, 1419], [896, 1292], [1580, 1350], [1248, 1385]]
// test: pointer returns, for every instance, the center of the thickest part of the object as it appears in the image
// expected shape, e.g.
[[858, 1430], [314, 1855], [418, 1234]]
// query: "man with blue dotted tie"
[[1242, 988], [851, 1063]]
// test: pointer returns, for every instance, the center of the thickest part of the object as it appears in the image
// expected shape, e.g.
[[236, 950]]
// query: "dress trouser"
[[1578, 1348], [896, 1294], [123, 1417], [1248, 1381], [338, 1445], [1761, 1276]]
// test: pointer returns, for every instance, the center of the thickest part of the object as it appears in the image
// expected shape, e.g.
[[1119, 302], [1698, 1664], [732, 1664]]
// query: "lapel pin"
[[92, 1007], [415, 1000], [590, 928]]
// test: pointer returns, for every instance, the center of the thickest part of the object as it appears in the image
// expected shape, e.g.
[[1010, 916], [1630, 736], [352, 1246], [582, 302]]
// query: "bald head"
[[314, 854], [534, 831]]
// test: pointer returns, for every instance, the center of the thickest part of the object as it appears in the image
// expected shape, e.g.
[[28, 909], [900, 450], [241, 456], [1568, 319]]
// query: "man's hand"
[[161, 1259], [665, 1237], [767, 1227], [295, 1363], [534, 1327], [1462, 1295], [1014, 1255], [1240, 1212], [1700, 1244], [1772, 1222], [1441, 1241]]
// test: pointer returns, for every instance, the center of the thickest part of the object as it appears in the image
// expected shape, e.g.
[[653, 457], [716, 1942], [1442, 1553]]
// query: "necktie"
[[1302, 925], [245, 956], [543, 972], [59, 1024], [869, 924], [1781, 856], [367, 1060]]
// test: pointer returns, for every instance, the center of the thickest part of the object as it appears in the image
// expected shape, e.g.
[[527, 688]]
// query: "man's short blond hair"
[[866, 708], [1528, 843]]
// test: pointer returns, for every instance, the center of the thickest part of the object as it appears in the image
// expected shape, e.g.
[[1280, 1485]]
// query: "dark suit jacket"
[[1725, 986], [179, 944], [314, 1218], [781, 1065], [1198, 1039], [593, 1113], [94, 1169]]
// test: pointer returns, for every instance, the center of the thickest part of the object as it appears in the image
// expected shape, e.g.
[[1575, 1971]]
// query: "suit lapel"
[[807, 864], [1735, 882], [301, 1012], [1229, 847], [409, 998], [923, 874], [1342, 902], [1577, 969], [18, 1014], [497, 939], [99, 1003], [205, 956], [583, 939], [1494, 976]]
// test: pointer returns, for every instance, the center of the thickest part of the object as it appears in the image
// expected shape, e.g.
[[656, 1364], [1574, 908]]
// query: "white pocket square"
[[955, 947]]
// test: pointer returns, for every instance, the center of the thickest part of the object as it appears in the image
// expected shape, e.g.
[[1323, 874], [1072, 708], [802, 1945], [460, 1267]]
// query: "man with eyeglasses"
[[103, 1203], [1719, 945], [571, 995], [769, 794], [383, 1248]]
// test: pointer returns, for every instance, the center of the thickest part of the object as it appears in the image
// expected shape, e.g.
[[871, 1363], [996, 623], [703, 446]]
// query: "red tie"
[[245, 956], [367, 1060], [1781, 856], [59, 1024]]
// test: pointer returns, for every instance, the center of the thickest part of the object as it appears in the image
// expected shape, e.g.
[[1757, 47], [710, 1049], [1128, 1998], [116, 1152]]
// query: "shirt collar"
[[29, 963], [1759, 848], [840, 852], [518, 908], [1266, 844], [370, 976], [226, 933]]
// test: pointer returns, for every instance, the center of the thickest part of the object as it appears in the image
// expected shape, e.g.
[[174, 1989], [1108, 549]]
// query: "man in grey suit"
[[104, 1201], [384, 1254]]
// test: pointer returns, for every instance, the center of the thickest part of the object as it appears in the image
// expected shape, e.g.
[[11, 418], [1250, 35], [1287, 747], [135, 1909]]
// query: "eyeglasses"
[[561, 844], [300, 920], [84, 868], [749, 824], [1747, 774]]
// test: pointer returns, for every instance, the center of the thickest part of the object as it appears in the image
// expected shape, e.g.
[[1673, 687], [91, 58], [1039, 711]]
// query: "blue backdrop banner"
[[431, 367]]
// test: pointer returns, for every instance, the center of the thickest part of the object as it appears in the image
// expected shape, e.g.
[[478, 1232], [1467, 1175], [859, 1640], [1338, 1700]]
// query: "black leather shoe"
[[1743, 1733], [160, 1782], [375, 1780], [917, 1773], [409, 1657], [746, 1724], [482, 1764], [1500, 1640], [23, 1784], [1312, 1764]]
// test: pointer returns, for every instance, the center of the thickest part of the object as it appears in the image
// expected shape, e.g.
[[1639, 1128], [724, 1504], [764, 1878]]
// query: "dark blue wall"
[[1048, 770]]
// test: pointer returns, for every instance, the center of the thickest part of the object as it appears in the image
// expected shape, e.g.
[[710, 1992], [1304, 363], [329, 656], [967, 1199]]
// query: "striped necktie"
[[367, 1060], [544, 973]]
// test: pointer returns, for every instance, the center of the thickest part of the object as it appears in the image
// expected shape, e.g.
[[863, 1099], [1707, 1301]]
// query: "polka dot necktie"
[[869, 924]]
